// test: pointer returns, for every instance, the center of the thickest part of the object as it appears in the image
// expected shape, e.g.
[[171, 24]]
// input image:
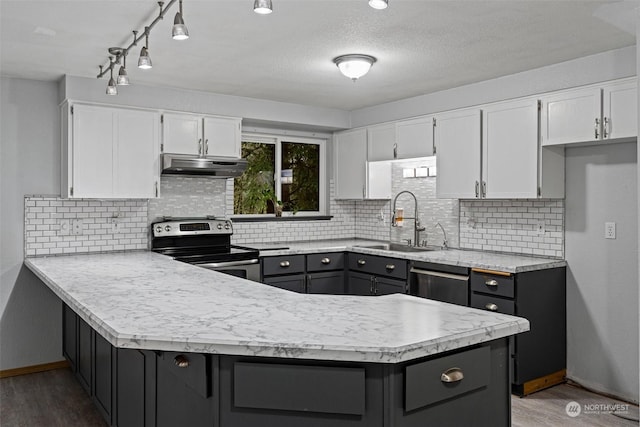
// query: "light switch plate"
[[76, 226], [609, 230]]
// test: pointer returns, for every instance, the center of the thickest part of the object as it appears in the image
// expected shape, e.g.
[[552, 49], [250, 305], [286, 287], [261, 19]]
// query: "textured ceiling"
[[422, 46]]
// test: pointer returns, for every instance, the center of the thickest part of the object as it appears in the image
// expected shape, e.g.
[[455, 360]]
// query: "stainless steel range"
[[205, 242]]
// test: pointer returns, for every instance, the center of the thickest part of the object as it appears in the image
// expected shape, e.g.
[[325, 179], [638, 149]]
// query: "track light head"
[[263, 7], [144, 61], [179, 31], [111, 86], [379, 4]]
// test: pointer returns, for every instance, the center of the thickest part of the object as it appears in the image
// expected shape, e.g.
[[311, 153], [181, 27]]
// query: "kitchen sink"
[[398, 247]]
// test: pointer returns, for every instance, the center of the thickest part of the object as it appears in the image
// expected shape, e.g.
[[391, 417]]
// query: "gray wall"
[[602, 276], [30, 326]]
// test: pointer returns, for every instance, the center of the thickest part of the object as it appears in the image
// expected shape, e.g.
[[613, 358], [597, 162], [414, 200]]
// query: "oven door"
[[246, 269]]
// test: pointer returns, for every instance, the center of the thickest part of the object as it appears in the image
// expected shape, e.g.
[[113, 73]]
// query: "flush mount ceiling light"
[[111, 86], [354, 66], [179, 31], [379, 4], [263, 7]]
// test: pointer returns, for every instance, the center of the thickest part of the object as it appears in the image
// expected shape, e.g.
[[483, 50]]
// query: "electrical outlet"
[[540, 227], [65, 227], [609, 230], [115, 225], [76, 226]]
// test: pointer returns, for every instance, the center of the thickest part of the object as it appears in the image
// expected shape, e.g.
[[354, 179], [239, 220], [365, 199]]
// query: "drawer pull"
[[390, 267], [181, 361], [491, 282], [326, 260], [284, 264], [491, 307], [361, 262], [452, 375]]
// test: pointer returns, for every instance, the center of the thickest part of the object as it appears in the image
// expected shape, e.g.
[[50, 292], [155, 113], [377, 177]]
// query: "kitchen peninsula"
[[170, 343]]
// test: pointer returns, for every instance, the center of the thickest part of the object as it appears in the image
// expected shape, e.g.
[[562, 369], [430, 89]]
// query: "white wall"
[[30, 326], [602, 275]]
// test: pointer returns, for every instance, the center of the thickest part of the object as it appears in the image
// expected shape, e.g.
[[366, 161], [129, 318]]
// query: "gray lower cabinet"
[[285, 272], [376, 275], [315, 273], [331, 282], [294, 282]]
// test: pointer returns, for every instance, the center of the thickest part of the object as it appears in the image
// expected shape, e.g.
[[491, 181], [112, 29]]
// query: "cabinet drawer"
[[426, 383], [304, 388], [493, 303], [325, 261], [496, 284], [190, 368], [286, 264], [378, 266]]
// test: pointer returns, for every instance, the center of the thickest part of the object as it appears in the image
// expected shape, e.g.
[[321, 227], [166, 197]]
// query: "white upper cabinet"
[[110, 152], [201, 135], [381, 142], [594, 113], [350, 164], [510, 150], [458, 148], [414, 138]]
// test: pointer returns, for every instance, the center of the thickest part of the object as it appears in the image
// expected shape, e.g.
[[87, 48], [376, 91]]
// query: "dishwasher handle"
[[439, 274]]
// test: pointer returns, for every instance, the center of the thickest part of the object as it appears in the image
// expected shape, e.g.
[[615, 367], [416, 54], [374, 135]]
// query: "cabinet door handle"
[[605, 128], [375, 286], [200, 147], [306, 287], [452, 375], [491, 306], [364, 192], [285, 264], [156, 185], [361, 262], [371, 288], [395, 151], [477, 189], [484, 188], [326, 261], [390, 267], [491, 282], [181, 361], [596, 128], [206, 147]]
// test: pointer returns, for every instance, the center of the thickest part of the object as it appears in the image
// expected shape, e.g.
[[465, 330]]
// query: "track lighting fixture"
[[144, 61], [263, 7], [179, 31], [354, 66], [111, 86], [123, 78], [379, 4]]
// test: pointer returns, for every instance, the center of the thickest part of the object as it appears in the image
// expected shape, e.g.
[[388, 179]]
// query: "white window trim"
[[277, 140]]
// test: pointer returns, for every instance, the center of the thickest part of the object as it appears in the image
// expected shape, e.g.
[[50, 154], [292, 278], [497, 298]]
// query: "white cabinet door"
[[379, 180], [182, 134], [415, 138], [350, 164], [457, 140], [136, 151], [381, 140], [222, 137], [510, 150], [92, 134], [571, 116], [620, 106]]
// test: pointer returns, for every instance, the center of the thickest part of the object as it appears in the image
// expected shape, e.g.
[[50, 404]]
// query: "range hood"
[[218, 167]]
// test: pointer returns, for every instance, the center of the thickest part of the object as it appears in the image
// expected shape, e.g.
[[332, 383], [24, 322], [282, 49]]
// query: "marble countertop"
[[459, 257], [146, 300]]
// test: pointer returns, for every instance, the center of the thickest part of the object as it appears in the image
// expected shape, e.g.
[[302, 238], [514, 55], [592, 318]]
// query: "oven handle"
[[439, 274], [229, 263]]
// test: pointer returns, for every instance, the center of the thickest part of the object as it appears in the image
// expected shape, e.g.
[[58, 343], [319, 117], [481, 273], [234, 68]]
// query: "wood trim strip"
[[544, 382], [33, 369], [497, 273]]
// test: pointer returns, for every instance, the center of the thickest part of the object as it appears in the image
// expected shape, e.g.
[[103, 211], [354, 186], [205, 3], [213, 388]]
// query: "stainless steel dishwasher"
[[440, 282]]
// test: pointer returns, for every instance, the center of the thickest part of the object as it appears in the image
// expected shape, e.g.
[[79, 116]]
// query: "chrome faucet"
[[444, 242], [417, 228]]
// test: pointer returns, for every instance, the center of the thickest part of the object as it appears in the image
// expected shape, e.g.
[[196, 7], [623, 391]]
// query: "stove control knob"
[[159, 229], [219, 226], [227, 226], [167, 228]]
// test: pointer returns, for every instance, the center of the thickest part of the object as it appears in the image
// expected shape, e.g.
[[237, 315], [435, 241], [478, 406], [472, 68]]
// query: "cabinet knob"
[[491, 282], [452, 375], [361, 262], [284, 264], [390, 267], [326, 261], [491, 307], [181, 361]]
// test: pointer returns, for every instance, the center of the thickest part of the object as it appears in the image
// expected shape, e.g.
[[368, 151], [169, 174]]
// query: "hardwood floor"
[[55, 398]]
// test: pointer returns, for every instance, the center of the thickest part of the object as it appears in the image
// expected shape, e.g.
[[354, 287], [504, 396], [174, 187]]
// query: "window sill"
[[282, 218]]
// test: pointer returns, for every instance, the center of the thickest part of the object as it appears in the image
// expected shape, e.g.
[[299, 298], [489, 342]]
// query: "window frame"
[[277, 140]]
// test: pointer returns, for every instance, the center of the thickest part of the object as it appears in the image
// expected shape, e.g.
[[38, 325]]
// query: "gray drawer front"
[[196, 375], [286, 264], [378, 266], [502, 305], [303, 388], [492, 284], [325, 262], [423, 381]]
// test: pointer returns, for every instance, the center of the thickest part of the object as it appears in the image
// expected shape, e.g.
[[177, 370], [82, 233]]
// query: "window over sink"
[[285, 174]]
